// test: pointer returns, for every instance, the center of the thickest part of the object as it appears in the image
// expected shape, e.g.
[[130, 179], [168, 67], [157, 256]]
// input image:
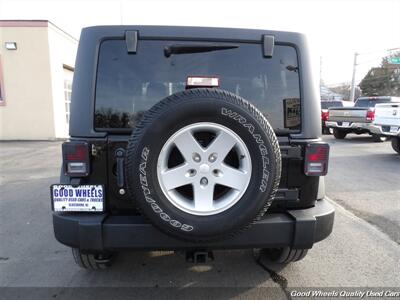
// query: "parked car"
[[357, 119], [387, 123], [179, 142], [325, 105]]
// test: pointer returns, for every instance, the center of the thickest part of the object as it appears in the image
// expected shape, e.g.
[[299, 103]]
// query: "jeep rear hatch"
[[128, 84]]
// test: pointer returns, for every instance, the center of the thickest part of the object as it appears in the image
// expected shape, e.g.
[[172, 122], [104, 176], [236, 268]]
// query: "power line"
[[379, 51], [379, 77], [368, 61], [333, 85], [338, 84]]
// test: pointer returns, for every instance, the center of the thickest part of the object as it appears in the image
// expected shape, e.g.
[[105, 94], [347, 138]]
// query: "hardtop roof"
[[153, 31]]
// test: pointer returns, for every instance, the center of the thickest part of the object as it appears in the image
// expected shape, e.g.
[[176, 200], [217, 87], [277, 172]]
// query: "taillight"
[[316, 159], [75, 158], [324, 115], [370, 114]]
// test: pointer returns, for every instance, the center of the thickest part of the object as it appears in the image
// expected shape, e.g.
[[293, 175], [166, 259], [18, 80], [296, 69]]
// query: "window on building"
[[68, 76], [67, 98]]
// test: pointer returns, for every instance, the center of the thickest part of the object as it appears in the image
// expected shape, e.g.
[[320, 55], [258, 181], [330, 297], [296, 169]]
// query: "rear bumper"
[[351, 126], [384, 130], [101, 232]]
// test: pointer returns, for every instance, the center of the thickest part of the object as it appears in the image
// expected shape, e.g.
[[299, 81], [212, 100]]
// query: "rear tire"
[[91, 261], [396, 144], [378, 138], [325, 130], [339, 134], [283, 255]]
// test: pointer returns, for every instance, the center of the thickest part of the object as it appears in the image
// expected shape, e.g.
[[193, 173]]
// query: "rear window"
[[329, 104], [129, 84], [369, 102]]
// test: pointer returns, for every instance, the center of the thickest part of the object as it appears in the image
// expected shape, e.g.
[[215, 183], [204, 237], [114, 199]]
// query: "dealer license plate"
[[77, 198], [394, 129]]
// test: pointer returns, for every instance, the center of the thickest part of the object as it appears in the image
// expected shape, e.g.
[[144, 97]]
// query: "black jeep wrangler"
[[192, 139]]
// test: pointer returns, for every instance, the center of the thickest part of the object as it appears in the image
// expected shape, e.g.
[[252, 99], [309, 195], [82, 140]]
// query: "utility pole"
[[320, 70], [353, 80]]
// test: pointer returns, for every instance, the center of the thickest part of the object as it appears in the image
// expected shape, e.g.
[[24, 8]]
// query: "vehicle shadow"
[[354, 139], [233, 273], [385, 158]]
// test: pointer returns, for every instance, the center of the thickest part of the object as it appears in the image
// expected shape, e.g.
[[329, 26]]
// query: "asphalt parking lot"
[[363, 250]]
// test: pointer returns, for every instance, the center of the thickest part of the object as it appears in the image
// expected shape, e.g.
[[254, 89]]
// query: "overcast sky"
[[336, 29]]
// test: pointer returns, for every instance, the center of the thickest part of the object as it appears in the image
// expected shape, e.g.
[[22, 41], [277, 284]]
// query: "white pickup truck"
[[387, 122], [358, 119]]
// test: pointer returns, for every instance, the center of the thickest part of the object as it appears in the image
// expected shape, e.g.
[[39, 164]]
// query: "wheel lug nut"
[[203, 181], [217, 172], [213, 157], [191, 173], [196, 157]]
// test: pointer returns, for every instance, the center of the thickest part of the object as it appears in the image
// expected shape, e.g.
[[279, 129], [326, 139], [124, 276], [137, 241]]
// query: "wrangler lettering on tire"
[[259, 140], [203, 164]]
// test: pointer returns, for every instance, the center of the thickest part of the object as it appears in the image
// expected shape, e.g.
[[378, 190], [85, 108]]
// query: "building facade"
[[36, 68]]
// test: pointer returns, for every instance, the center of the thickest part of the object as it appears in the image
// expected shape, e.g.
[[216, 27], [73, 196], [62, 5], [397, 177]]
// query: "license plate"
[[345, 124], [394, 129], [77, 198]]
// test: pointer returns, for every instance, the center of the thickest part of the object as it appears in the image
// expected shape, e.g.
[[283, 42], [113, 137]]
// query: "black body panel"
[[96, 233]]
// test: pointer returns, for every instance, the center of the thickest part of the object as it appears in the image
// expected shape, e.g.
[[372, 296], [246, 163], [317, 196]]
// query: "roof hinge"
[[268, 45], [131, 39]]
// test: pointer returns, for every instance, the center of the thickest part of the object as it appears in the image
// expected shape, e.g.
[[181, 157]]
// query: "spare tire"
[[203, 164]]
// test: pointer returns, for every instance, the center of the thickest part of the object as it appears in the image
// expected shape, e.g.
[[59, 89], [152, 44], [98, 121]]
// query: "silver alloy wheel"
[[204, 168]]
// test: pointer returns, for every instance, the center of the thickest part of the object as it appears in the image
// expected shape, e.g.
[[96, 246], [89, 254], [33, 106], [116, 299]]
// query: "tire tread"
[[88, 261], [396, 144], [286, 256]]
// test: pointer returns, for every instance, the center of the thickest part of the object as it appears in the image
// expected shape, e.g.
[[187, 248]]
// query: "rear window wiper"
[[195, 48]]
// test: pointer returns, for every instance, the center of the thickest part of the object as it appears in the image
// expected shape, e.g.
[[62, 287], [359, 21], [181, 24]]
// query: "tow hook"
[[120, 154], [199, 257]]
